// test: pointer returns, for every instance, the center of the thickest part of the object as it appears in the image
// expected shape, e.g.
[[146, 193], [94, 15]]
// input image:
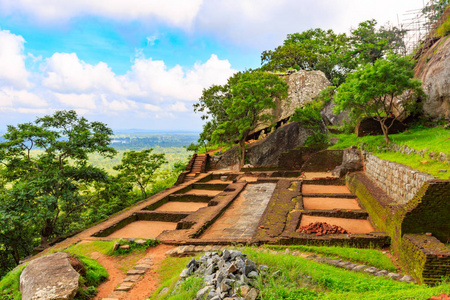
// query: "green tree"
[[370, 43], [314, 49], [247, 103], [139, 167], [46, 188], [378, 91]]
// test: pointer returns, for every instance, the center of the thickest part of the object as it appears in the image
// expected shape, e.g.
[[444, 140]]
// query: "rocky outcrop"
[[433, 69], [304, 86], [351, 162], [50, 277], [330, 118], [266, 152]]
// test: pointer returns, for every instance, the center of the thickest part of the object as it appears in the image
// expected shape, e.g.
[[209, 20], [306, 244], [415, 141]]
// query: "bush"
[[95, 274], [10, 285], [444, 28]]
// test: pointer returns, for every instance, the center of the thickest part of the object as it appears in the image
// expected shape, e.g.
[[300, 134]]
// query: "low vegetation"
[[10, 285], [299, 278], [369, 257], [432, 140], [95, 274]]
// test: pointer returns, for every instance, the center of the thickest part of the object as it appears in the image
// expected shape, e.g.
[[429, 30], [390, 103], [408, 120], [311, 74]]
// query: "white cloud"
[[13, 98], [154, 78], [178, 107], [174, 12], [151, 107], [81, 101], [65, 72], [12, 61], [264, 24]]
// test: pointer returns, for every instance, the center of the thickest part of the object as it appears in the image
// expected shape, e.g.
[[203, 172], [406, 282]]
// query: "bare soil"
[[330, 203], [313, 175], [324, 189], [202, 192], [220, 181], [248, 179], [181, 206], [351, 225], [145, 286], [143, 229]]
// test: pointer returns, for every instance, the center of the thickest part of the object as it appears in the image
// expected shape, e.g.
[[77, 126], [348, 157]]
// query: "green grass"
[[104, 247], [10, 285], [435, 139], [169, 273], [329, 282], [95, 274], [370, 257]]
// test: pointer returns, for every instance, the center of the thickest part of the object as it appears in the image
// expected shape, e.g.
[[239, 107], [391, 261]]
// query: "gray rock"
[[252, 274], [140, 242], [371, 270], [359, 268], [201, 294], [164, 291], [226, 255], [243, 290], [381, 273], [252, 294], [394, 276], [185, 273], [49, 277], [407, 278], [351, 162]]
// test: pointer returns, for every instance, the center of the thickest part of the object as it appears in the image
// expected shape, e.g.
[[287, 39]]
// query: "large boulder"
[[50, 277], [351, 162], [266, 152], [304, 86], [433, 69], [330, 118]]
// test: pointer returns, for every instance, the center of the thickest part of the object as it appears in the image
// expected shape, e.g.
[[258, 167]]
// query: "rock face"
[[303, 87], [351, 162], [433, 69], [266, 152], [49, 277], [330, 118]]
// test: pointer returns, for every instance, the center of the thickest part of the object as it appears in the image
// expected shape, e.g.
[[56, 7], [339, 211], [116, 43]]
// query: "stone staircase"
[[197, 167]]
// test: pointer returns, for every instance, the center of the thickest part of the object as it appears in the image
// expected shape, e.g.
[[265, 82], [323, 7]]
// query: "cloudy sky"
[[143, 63]]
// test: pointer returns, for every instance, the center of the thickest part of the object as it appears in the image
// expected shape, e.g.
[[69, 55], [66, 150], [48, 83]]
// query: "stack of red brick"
[[320, 228]]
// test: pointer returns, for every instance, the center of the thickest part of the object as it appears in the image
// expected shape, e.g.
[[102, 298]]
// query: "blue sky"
[[143, 63]]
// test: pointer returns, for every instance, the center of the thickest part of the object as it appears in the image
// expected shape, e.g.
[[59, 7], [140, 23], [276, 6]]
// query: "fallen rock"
[[49, 277], [351, 162], [321, 228]]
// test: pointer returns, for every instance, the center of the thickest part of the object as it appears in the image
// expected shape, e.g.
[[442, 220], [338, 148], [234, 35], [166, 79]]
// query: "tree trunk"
[[242, 147], [46, 232], [385, 130]]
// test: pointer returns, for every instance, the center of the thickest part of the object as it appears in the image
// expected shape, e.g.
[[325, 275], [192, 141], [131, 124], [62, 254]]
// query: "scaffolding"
[[419, 24]]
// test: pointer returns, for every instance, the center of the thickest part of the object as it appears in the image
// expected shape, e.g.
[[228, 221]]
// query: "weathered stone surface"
[[267, 151], [49, 277], [351, 162], [304, 86], [433, 69], [330, 118]]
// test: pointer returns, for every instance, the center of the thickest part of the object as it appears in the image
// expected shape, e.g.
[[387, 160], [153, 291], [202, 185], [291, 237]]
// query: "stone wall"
[[400, 182], [427, 259]]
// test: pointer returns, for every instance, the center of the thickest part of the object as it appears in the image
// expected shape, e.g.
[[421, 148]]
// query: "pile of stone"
[[229, 275], [320, 228]]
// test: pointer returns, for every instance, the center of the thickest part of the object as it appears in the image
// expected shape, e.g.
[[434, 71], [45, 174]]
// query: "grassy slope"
[[434, 139], [304, 279]]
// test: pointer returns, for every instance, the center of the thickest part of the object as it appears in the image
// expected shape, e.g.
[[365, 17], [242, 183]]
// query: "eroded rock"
[[50, 277]]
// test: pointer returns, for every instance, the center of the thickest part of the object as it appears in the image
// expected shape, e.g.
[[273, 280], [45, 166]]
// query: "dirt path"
[[150, 281], [115, 275]]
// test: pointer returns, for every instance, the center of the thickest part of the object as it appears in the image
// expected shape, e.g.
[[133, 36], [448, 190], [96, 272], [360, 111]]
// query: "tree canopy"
[[334, 54], [378, 91], [237, 107]]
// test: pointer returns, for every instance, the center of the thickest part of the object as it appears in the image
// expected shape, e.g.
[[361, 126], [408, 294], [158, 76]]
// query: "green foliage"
[[95, 274], [371, 43], [443, 29], [314, 49], [10, 285], [44, 192], [434, 10], [133, 246], [370, 257], [246, 105], [138, 167], [188, 289], [169, 272], [309, 115], [434, 139], [376, 91]]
